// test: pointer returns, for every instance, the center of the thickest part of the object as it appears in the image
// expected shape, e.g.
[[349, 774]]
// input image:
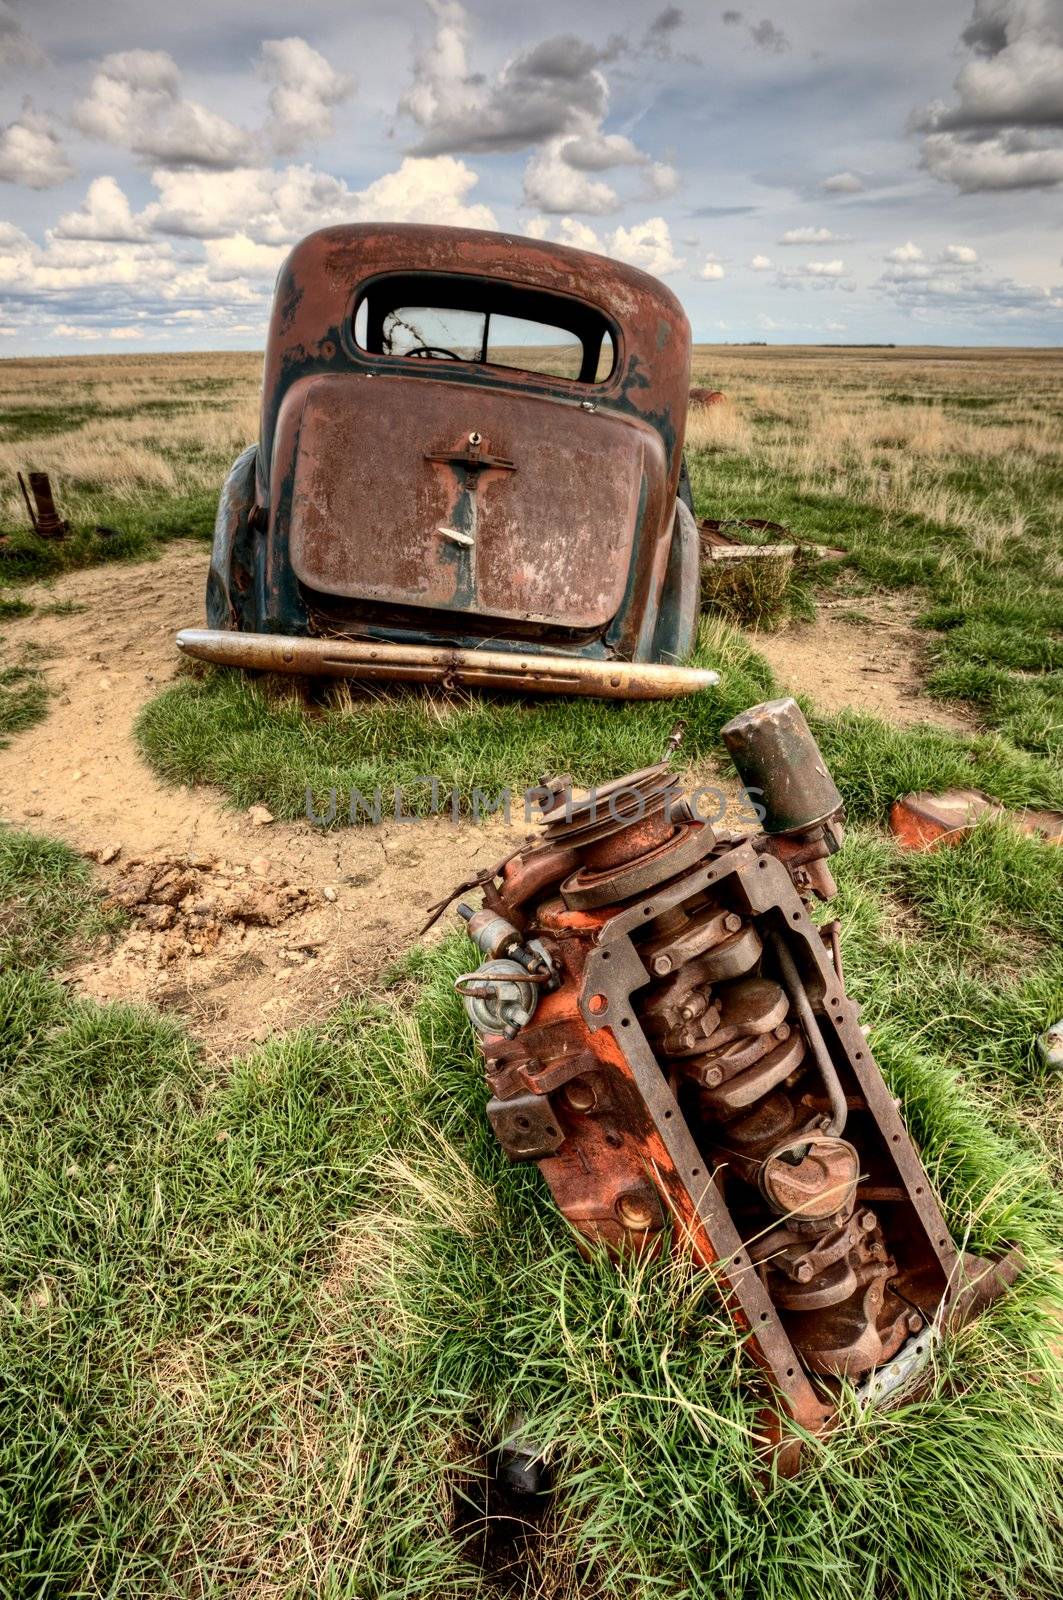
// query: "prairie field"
[[268, 1289]]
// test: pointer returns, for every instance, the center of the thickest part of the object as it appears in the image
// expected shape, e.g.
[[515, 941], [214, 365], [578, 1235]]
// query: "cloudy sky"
[[798, 170]]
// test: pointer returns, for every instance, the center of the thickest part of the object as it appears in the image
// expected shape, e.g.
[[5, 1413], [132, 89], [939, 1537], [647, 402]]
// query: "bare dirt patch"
[[361, 895], [861, 654]]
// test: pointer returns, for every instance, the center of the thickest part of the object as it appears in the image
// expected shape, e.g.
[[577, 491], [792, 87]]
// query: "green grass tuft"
[[256, 741], [23, 699], [47, 902], [257, 1331]]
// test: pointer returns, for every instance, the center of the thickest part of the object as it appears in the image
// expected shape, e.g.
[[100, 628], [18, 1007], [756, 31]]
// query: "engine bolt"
[[662, 965], [579, 1095], [732, 922], [635, 1212], [915, 1322], [712, 1077], [804, 1272]]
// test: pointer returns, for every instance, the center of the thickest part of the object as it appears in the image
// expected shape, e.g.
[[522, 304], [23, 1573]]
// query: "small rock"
[[329, 892], [1050, 1046], [109, 853], [259, 816], [260, 866]]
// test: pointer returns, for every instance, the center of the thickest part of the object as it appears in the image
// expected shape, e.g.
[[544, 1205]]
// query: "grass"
[[259, 742], [23, 699], [142, 451], [941, 473], [48, 907], [257, 1321], [257, 1325]]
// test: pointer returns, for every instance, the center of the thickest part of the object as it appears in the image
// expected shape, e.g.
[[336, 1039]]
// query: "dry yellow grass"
[[895, 429], [883, 428], [124, 428]]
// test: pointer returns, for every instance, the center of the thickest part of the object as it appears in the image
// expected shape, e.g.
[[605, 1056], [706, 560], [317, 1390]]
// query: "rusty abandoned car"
[[468, 471], [666, 1032]]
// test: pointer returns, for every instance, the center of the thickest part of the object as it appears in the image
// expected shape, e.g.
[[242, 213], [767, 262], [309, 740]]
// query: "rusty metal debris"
[[718, 545], [925, 821], [470, 443], [707, 397], [44, 518], [666, 1033]]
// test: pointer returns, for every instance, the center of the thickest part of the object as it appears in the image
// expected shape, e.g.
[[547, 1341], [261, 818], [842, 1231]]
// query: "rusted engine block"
[[666, 1033]]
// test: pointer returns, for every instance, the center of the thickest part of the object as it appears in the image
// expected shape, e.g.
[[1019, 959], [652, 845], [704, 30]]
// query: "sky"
[[798, 171]]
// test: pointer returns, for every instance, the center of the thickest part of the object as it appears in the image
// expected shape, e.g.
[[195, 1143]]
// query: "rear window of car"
[[428, 317]]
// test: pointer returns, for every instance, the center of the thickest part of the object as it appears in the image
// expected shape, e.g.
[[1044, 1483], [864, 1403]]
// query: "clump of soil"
[[191, 901]]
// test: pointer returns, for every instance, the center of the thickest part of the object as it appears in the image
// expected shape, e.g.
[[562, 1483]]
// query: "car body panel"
[[424, 500]]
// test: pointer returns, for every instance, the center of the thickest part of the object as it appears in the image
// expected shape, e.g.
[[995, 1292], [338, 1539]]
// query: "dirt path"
[[78, 776], [861, 653], [250, 929]]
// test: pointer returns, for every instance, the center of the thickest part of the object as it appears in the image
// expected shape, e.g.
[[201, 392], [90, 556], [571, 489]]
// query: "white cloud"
[[135, 102], [810, 236], [104, 214], [595, 151], [570, 231], [908, 264], [843, 183], [238, 256], [1020, 85], [278, 207], [305, 90], [712, 271], [551, 184], [647, 245], [435, 189], [823, 269], [550, 98], [907, 272], [74, 330], [761, 263], [1005, 161], [1002, 130], [545, 90], [31, 154], [663, 178], [967, 297]]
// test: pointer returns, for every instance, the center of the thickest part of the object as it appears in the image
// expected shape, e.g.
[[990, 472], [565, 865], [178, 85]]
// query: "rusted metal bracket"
[[44, 518], [472, 459]]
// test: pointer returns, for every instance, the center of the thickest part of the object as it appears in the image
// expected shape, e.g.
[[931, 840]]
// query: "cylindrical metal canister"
[[780, 764]]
